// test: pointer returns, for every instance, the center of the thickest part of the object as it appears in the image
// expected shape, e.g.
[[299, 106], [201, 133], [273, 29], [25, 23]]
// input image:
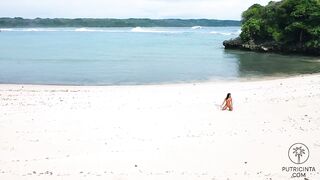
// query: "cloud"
[[214, 9]]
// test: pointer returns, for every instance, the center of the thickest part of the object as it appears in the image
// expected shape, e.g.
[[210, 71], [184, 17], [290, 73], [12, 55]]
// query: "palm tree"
[[298, 151]]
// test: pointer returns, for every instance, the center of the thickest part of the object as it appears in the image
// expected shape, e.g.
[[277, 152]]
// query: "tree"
[[252, 23], [287, 22]]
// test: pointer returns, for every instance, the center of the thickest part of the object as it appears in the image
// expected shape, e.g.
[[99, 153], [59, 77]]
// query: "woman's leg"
[[224, 108]]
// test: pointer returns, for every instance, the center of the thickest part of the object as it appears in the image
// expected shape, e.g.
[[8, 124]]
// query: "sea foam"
[[150, 30], [226, 33], [196, 27], [28, 29], [6, 29], [88, 30]]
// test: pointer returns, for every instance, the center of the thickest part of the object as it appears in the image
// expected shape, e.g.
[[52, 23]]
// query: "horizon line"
[[120, 18]]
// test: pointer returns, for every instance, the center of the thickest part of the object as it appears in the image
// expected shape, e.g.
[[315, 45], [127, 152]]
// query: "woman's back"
[[229, 101]]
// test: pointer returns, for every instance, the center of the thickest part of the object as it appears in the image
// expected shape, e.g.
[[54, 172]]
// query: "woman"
[[227, 103]]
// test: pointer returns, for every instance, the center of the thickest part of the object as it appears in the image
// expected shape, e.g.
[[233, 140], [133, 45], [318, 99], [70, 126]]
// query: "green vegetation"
[[88, 22], [285, 23]]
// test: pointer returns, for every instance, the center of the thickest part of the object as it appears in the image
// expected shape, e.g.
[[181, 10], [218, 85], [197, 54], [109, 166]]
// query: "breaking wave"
[[196, 27], [226, 33], [150, 30]]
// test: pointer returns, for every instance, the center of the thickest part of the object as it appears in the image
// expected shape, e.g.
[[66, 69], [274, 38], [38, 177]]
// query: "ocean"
[[125, 56]]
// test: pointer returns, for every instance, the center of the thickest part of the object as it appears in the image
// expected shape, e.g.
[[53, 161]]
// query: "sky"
[[158, 9]]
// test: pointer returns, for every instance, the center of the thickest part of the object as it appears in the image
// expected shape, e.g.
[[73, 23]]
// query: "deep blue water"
[[107, 56]]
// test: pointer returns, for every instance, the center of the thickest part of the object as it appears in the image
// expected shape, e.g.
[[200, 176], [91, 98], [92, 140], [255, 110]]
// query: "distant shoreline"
[[6, 22]]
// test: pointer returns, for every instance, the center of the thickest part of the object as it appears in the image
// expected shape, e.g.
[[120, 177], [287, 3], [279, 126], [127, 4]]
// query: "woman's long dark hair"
[[228, 96]]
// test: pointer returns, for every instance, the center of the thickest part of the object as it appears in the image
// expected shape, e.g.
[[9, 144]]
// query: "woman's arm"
[[223, 103]]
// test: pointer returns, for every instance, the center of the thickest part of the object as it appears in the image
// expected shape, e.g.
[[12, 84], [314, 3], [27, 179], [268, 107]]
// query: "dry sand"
[[163, 132]]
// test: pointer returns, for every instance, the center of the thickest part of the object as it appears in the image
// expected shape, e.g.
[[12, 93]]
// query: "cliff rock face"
[[237, 43]]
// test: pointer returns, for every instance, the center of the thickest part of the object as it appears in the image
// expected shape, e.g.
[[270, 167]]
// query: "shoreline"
[[244, 79]]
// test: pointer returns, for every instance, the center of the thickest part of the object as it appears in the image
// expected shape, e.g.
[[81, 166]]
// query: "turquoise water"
[[107, 56]]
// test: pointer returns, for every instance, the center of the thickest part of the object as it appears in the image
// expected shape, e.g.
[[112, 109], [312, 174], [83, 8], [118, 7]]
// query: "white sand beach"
[[159, 132]]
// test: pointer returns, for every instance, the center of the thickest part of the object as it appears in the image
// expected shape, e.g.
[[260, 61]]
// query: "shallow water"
[[106, 56]]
